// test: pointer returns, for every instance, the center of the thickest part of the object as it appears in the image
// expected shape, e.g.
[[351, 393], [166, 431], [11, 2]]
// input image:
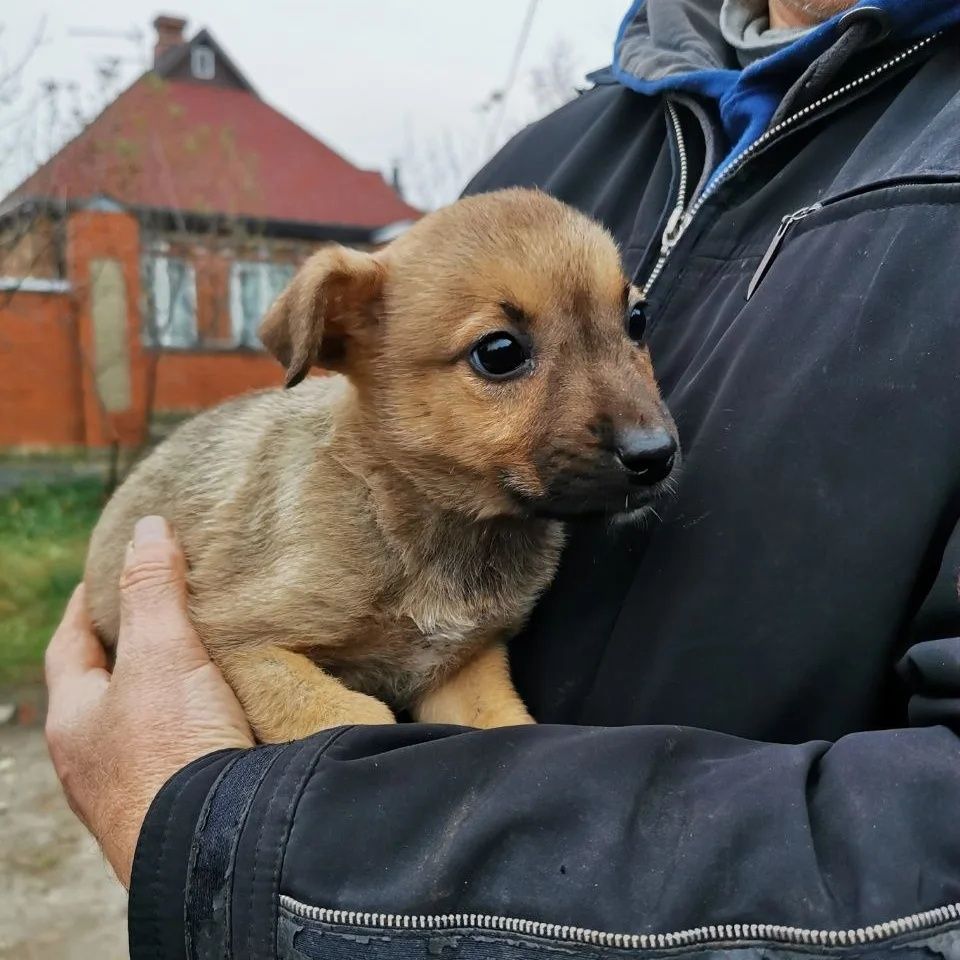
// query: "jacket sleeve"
[[630, 829]]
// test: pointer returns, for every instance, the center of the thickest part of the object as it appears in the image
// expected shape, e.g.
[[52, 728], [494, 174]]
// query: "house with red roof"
[[136, 263]]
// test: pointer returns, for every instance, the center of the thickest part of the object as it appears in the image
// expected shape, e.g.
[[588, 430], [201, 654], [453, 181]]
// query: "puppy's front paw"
[[448, 704], [345, 709], [513, 715], [361, 708]]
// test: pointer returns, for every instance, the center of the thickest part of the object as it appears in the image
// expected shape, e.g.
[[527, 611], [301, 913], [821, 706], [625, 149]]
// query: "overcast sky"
[[378, 80]]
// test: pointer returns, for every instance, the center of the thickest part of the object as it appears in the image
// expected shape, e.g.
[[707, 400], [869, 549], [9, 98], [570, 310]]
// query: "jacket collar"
[[676, 45]]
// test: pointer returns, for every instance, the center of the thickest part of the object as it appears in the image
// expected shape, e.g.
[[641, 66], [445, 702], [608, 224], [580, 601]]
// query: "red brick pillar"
[[103, 265]]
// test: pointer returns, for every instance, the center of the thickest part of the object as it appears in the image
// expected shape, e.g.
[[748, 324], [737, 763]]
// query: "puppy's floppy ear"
[[326, 313]]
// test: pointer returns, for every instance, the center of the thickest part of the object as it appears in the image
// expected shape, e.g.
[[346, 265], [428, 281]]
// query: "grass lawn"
[[43, 541]]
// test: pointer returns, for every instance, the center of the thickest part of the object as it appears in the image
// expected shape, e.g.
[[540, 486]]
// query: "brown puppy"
[[368, 542]]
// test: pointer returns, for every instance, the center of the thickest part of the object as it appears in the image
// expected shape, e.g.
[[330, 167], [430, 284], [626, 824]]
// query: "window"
[[203, 64], [172, 303], [253, 287]]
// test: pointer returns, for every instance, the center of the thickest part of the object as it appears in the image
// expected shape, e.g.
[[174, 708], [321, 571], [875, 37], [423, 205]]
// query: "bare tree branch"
[[436, 168]]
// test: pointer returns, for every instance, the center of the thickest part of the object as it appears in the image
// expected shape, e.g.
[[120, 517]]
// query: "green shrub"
[[43, 541]]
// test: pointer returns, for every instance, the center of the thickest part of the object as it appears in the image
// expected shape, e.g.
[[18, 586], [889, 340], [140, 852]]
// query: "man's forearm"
[[629, 830]]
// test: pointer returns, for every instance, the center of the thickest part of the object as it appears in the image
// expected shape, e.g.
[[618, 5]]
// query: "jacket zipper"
[[671, 231], [767, 259], [676, 229], [708, 935]]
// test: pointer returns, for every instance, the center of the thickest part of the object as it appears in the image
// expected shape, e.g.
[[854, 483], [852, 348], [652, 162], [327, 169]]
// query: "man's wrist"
[[120, 822], [161, 856]]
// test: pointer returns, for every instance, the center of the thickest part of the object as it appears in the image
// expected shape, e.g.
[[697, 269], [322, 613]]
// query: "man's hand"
[[115, 739]]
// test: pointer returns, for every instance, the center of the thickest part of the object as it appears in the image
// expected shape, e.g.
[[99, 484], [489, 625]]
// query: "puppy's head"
[[497, 350]]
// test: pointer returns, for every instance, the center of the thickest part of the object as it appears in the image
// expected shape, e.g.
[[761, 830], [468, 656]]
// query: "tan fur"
[[479, 694], [358, 540]]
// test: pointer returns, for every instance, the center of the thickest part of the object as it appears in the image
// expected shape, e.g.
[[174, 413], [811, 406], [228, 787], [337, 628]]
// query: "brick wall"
[[41, 400], [73, 366], [190, 381], [103, 244]]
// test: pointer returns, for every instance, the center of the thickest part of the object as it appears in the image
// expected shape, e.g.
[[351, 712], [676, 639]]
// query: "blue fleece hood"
[[665, 45]]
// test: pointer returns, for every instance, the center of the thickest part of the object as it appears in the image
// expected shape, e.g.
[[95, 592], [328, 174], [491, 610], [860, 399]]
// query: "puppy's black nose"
[[649, 455]]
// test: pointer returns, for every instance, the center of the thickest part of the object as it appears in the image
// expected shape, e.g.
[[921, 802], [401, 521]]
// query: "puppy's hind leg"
[[287, 697], [480, 694]]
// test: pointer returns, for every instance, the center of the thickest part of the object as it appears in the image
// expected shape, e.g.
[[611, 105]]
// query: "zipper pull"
[[675, 226], [785, 224]]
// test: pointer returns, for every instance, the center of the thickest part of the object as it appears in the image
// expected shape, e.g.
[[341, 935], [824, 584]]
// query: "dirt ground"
[[59, 901]]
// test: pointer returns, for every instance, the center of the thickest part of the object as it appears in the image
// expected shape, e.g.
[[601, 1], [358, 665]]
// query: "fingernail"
[[150, 530]]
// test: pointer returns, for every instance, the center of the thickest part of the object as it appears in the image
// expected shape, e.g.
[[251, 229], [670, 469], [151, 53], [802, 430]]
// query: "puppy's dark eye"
[[500, 356], [637, 323]]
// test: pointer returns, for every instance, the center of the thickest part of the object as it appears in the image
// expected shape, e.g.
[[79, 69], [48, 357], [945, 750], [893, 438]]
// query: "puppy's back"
[[213, 479]]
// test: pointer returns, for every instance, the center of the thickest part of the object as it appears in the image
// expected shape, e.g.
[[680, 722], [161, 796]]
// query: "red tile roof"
[[207, 148]]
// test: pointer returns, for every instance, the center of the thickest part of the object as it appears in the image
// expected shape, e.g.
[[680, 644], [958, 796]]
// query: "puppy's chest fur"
[[453, 591]]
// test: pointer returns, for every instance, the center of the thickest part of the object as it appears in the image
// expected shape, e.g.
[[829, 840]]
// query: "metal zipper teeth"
[[682, 151], [741, 158], [677, 214], [719, 933]]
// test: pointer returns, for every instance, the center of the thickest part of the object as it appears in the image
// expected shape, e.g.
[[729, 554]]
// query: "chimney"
[[169, 35]]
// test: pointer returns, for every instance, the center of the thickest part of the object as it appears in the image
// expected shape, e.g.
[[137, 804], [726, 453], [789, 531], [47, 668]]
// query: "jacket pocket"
[[314, 933], [891, 193]]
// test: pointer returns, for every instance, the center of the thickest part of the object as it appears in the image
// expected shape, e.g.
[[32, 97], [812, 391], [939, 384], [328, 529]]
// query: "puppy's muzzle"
[[626, 472]]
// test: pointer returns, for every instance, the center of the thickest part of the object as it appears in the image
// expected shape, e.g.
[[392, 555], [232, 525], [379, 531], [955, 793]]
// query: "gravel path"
[[60, 901]]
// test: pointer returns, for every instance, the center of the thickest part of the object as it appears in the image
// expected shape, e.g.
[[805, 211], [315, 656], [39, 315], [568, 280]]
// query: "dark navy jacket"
[[749, 711]]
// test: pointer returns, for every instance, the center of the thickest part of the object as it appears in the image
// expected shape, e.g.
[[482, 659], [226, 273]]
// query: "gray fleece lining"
[[672, 37], [745, 25], [712, 138]]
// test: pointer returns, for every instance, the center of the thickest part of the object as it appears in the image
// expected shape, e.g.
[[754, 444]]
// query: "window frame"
[[243, 329], [203, 62], [174, 336]]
